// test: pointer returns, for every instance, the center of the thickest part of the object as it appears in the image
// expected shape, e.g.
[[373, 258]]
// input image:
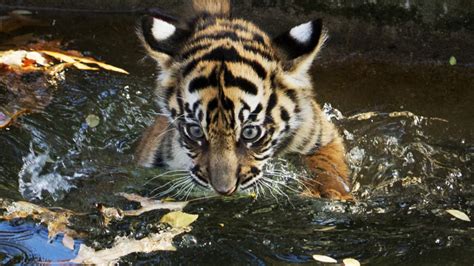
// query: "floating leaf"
[[92, 120], [324, 229], [178, 219], [150, 204], [351, 262], [123, 246], [452, 61], [79, 62], [324, 259], [459, 214]]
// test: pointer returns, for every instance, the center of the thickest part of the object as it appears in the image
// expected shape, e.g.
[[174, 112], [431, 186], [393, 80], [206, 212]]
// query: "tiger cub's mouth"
[[226, 186]]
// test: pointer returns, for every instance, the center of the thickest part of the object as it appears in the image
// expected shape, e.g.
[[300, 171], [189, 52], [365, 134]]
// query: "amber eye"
[[194, 131], [251, 133]]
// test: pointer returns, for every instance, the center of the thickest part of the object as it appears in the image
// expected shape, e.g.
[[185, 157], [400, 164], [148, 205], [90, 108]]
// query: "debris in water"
[[351, 262], [459, 214], [123, 246], [57, 221], [92, 120], [325, 259], [325, 229], [453, 61], [179, 219], [31, 72], [111, 214]]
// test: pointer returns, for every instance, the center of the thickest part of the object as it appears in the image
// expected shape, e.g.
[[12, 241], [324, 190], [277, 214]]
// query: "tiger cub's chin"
[[231, 98]]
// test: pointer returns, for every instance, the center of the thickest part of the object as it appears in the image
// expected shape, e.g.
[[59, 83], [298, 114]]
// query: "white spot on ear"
[[161, 29], [302, 33]]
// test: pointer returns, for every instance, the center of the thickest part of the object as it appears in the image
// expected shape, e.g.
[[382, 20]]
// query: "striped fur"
[[230, 79]]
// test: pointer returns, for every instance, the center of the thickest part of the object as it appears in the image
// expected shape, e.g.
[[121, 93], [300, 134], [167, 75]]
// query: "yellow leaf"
[[324, 229], [324, 259], [92, 120], [80, 62], [459, 214], [178, 219], [351, 262]]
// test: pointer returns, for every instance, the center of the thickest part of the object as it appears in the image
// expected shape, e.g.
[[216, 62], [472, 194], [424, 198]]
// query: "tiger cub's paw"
[[334, 189]]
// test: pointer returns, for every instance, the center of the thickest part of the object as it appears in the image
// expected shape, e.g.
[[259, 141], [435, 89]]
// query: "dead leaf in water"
[[56, 221], [323, 258], [148, 204], [92, 120], [325, 229], [124, 246], [179, 219], [351, 262], [80, 62], [111, 214], [459, 214]]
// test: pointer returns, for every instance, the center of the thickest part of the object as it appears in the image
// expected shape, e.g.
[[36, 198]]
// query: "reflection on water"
[[26, 243], [407, 168]]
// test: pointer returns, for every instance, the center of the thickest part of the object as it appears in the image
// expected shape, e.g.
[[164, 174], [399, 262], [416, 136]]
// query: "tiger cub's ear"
[[162, 37], [301, 45]]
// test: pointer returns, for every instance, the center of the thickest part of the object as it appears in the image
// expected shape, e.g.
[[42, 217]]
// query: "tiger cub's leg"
[[147, 153], [330, 174]]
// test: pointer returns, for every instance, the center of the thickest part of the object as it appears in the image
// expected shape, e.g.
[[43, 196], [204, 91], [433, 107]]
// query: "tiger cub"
[[231, 98]]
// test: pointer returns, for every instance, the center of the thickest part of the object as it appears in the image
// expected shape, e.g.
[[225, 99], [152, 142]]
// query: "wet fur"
[[224, 74]]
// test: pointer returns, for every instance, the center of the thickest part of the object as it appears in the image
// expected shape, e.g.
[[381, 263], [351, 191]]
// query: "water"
[[409, 136]]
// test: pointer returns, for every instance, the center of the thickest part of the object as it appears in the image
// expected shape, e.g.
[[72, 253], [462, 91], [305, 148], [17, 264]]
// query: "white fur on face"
[[161, 29], [302, 33]]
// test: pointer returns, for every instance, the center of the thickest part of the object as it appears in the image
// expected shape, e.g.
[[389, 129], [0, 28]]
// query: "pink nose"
[[226, 191]]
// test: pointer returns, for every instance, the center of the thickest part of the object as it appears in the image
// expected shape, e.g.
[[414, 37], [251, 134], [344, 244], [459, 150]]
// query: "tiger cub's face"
[[233, 97]]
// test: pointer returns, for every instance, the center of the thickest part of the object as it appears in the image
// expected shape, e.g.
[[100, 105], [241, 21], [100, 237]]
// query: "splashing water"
[[33, 182]]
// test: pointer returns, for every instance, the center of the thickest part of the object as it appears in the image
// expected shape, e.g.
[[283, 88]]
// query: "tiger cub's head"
[[234, 94]]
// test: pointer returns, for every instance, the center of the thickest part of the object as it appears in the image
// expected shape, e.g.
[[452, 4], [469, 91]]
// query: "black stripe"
[[284, 114], [245, 85], [232, 35], [226, 54], [256, 112], [272, 101], [191, 51], [212, 105], [259, 51]]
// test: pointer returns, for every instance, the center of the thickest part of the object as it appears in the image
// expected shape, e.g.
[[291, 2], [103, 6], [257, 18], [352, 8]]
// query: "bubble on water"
[[188, 240], [32, 182]]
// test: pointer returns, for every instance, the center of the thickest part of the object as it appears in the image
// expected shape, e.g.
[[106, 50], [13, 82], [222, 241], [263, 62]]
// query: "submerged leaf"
[[351, 262], [459, 214], [324, 259], [92, 120], [123, 246], [452, 60], [179, 219]]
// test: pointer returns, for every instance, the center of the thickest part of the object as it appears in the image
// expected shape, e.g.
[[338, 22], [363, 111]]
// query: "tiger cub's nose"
[[225, 190]]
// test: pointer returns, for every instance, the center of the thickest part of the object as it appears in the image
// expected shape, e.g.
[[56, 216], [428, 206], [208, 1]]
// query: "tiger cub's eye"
[[251, 133], [194, 131]]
